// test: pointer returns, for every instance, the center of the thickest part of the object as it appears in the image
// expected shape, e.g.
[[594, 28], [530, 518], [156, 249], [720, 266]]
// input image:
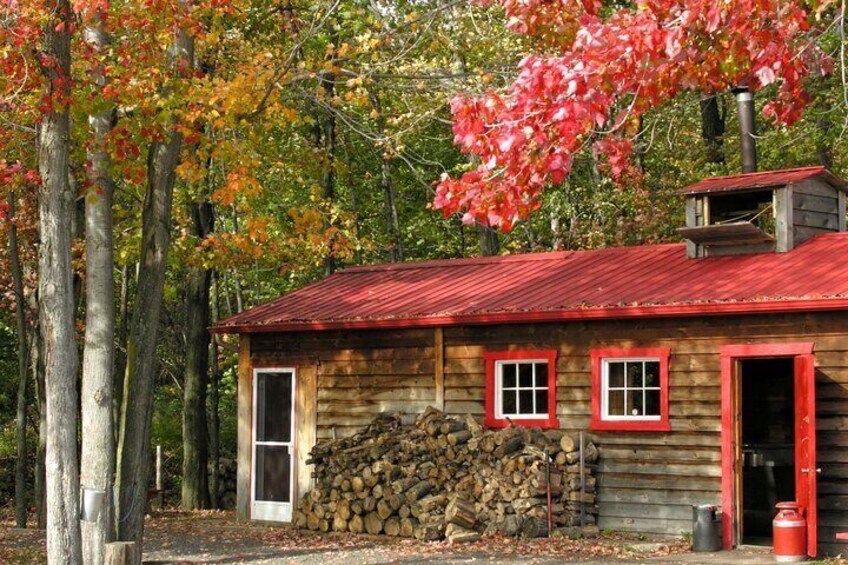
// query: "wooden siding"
[[647, 481], [817, 209], [360, 374]]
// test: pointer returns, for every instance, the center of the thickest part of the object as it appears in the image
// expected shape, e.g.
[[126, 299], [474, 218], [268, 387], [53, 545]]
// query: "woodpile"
[[441, 477], [226, 482]]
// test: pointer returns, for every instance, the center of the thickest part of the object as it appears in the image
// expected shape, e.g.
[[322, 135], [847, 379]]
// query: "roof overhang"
[[580, 314], [763, 180]]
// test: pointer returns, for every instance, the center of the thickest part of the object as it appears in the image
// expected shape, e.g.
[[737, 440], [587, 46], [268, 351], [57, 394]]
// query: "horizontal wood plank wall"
[[360, 373], [648, 481]]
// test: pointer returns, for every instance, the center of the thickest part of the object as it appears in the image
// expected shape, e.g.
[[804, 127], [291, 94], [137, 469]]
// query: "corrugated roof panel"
[[456, 291], [763, 179]]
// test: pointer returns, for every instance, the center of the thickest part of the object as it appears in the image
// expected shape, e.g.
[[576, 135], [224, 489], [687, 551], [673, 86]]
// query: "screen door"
[[273, 444]]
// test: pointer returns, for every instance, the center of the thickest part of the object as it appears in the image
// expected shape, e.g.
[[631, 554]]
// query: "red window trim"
[[597, 422], [491, 357]]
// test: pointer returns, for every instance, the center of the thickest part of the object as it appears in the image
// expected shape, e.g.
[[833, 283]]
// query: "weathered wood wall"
[[647, 480], [817, 208], [360, 374]]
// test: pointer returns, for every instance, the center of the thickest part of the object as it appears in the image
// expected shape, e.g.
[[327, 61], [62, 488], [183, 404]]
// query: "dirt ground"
[[216, 538]]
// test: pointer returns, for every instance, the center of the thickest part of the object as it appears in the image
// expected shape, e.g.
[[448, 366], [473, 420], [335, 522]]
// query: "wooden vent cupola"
[[769, 211], [757, 212]]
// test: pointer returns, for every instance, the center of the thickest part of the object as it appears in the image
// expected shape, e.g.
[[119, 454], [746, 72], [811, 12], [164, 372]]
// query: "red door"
[[806, 471]]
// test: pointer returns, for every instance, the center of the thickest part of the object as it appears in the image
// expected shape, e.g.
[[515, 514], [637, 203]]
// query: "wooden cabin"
[[712, 371]]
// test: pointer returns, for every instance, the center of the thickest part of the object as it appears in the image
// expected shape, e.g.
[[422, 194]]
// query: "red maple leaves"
[[609, 71]]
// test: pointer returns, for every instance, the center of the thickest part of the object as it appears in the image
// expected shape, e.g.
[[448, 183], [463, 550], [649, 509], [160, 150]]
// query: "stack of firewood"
[[444, 477]]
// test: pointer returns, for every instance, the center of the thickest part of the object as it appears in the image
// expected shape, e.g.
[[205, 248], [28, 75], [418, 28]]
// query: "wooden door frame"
[[729, 357]]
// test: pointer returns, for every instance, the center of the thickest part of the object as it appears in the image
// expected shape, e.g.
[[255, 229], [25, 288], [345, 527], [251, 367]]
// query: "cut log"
[[568, 443], [384, 510], [356, 524], [373, 523], [511, 445], [407, 527], [461, 512], [458, 534], [392, 527], [420, 490], [430, 532], [120, 553], [459, 437], [534, 528]]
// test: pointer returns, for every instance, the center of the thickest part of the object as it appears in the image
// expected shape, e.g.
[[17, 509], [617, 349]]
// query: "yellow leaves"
[[240, 182], [190, 171]]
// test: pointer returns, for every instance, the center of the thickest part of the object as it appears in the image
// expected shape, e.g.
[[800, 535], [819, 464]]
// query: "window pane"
[[652, 403], [616, 403], [508, 372], [634, 403], [541, 374], [542, 401], [634, 375], [616, 374], [508, 402], [525, 374], [274, 399], [652, 373], [525, 402], [273, 473]]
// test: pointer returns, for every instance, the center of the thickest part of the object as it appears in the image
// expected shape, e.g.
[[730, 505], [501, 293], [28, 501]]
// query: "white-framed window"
[[521, 389], [631, 389]]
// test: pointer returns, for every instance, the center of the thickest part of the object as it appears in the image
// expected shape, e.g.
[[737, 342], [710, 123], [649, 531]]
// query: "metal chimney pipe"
[[747, 129]]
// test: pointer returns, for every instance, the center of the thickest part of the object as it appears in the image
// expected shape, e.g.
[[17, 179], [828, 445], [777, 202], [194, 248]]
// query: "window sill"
[[629, 426], [546, 423]]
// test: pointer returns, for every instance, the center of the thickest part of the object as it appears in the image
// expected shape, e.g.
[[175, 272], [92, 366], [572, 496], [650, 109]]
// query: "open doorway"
[[767, 394]]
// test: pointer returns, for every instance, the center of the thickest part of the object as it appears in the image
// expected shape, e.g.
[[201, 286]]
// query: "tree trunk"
[[712, 128], [824, 149], [55, 291], [489, 245], [195, 485], [325, 138], [36, 354], [21, 329], [236, 278], [97, 463], [556, 232], [121, 350], [133, 456], [214, 401], [389, 204]]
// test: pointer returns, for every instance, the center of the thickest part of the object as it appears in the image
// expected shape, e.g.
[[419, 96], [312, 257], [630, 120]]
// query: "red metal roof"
[[650, 280], [764, 179]]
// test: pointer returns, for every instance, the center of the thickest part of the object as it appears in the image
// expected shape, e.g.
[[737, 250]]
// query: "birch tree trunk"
[[56, 300], [133, 456], [195, 485], [97, 463], [21, 329]]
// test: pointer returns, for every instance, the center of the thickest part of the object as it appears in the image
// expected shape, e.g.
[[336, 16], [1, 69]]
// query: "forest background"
[[288, 140]]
